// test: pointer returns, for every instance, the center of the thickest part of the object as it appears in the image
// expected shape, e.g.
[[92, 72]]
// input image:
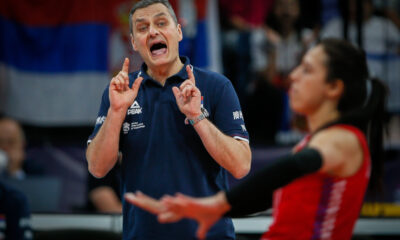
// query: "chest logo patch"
[[134, 108], [126, 127]]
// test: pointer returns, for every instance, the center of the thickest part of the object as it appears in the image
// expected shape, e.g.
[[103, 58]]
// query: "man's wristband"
[[204, 114]]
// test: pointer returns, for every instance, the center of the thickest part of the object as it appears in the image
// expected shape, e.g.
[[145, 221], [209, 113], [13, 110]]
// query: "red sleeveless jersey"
[[318, 206]]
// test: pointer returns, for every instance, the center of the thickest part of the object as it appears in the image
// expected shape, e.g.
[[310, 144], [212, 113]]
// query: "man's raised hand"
[[120, 94], [188, 96]]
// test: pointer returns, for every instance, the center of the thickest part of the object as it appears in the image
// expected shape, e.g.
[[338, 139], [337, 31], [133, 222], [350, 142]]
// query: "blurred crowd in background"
[[56, 58]]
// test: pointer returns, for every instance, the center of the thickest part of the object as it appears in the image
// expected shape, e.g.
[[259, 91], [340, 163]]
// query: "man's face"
[[155, 36]]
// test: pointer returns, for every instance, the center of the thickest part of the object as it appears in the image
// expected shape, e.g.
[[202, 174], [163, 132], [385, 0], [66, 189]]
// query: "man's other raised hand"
[[120, 94]]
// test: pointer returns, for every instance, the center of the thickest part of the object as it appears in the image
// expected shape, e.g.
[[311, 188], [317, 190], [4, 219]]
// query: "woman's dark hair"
[[363, 103]]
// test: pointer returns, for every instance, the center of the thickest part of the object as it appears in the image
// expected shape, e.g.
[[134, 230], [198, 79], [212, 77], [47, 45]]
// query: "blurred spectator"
[[276, 50], [238, 19], [311, 13], [12, 142], [14, 215], [381, 42], [329, 10], [389, 9], [245, 15], [104, 194]]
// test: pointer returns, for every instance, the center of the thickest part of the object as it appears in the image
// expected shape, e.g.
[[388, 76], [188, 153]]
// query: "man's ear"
[[133, 43], [336, 88], [180, 32]]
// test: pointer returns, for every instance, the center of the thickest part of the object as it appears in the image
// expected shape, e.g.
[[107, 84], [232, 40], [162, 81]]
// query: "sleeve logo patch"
[[237, 115]]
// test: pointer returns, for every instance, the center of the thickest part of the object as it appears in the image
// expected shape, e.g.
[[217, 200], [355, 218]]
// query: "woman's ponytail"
[[375, 112]]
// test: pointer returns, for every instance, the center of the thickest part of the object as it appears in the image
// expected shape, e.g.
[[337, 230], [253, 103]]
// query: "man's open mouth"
[[158, 49]]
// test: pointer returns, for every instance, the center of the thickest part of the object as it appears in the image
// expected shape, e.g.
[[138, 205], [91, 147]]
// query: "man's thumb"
[[176, 91]]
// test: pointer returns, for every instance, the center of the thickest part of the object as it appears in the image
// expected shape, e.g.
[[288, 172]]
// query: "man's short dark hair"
[[146, 3]]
